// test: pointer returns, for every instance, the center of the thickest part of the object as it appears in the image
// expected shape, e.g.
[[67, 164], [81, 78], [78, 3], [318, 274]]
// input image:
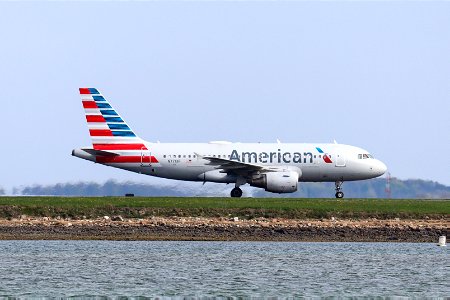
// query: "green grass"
[[77, 207]]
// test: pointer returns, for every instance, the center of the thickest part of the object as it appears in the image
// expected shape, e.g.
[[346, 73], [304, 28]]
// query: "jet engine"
[[276, 182]]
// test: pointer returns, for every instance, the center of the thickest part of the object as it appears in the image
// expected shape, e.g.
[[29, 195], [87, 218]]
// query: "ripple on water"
[[219, 269]]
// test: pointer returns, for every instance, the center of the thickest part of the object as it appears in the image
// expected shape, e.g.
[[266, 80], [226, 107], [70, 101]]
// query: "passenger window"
[[179, 156], [184, 156], [189, 156], [164, 156]]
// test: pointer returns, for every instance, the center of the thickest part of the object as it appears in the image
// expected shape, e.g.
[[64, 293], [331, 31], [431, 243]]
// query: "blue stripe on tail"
[[119, 126], [113, 119], [108, 112], [123, 133]]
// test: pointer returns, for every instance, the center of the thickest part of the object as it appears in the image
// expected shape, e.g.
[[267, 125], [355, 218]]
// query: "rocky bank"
[[224, 229]]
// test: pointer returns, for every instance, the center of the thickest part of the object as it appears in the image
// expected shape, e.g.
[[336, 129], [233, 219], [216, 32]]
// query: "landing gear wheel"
[[339, 195], [236, 192]]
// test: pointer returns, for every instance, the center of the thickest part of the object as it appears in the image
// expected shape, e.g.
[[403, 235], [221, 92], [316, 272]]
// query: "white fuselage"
[[184, 161]]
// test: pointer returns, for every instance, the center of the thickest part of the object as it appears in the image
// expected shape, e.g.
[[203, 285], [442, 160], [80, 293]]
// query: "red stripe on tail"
[[100, 132], [89, 104], [95, 119], [84, 91]]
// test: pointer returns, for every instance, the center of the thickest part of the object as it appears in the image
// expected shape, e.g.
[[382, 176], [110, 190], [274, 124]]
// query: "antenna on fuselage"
[[335, 141]]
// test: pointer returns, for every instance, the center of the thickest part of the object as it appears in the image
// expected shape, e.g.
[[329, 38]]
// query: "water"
[[222, 269]]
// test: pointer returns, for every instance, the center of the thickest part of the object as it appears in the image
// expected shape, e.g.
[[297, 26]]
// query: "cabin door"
[[146, 158], [340, 160]]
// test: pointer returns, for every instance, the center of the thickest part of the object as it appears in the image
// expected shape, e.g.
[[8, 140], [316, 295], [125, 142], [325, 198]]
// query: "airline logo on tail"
[[109, 132]]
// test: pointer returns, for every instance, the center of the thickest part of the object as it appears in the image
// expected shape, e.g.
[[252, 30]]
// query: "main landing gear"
[[339, 194], [236, 192]]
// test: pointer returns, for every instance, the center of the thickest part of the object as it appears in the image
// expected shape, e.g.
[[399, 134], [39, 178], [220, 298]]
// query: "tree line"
[[374, 188]]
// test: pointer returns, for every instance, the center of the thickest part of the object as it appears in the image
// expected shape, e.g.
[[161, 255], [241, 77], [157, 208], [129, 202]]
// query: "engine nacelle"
[[277, 182]]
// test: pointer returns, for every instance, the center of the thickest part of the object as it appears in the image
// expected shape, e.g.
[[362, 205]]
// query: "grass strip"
[[90, 207]]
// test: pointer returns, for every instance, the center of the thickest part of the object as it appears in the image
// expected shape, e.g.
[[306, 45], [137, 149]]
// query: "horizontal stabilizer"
[[100, 152]]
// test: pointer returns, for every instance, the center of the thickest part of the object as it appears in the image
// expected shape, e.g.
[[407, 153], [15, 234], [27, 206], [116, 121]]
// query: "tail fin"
[[107, 129]]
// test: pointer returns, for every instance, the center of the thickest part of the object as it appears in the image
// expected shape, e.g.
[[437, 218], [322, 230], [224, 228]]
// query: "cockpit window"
[[364, 156]]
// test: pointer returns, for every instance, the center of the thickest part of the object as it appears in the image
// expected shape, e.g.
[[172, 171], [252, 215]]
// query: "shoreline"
[[224, 229]]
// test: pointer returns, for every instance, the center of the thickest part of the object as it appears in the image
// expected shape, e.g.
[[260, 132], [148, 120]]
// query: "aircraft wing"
[[233, 166]]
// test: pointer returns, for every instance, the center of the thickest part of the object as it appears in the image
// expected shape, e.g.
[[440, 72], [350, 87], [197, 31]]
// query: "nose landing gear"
[[339, 193]]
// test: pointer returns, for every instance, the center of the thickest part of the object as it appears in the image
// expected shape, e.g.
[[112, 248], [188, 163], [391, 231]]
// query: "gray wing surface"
[[232, 166]]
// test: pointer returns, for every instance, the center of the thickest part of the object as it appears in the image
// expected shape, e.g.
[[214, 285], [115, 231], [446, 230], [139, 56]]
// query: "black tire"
[[339, 195], [236, 192]]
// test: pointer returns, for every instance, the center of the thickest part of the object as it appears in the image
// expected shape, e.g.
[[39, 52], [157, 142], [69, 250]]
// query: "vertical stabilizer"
[[107, 128]]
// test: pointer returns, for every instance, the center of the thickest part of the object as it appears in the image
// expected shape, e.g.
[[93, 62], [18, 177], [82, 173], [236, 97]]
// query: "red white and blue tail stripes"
[[109, 132]]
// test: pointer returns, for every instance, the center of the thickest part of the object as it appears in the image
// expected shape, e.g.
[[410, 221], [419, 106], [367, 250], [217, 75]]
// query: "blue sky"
[[369, 74]]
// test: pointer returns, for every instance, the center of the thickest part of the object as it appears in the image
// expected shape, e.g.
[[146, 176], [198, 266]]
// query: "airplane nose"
[[379, 168]]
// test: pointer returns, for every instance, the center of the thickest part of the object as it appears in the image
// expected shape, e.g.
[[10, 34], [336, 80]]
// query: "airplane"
[[275, 167]]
